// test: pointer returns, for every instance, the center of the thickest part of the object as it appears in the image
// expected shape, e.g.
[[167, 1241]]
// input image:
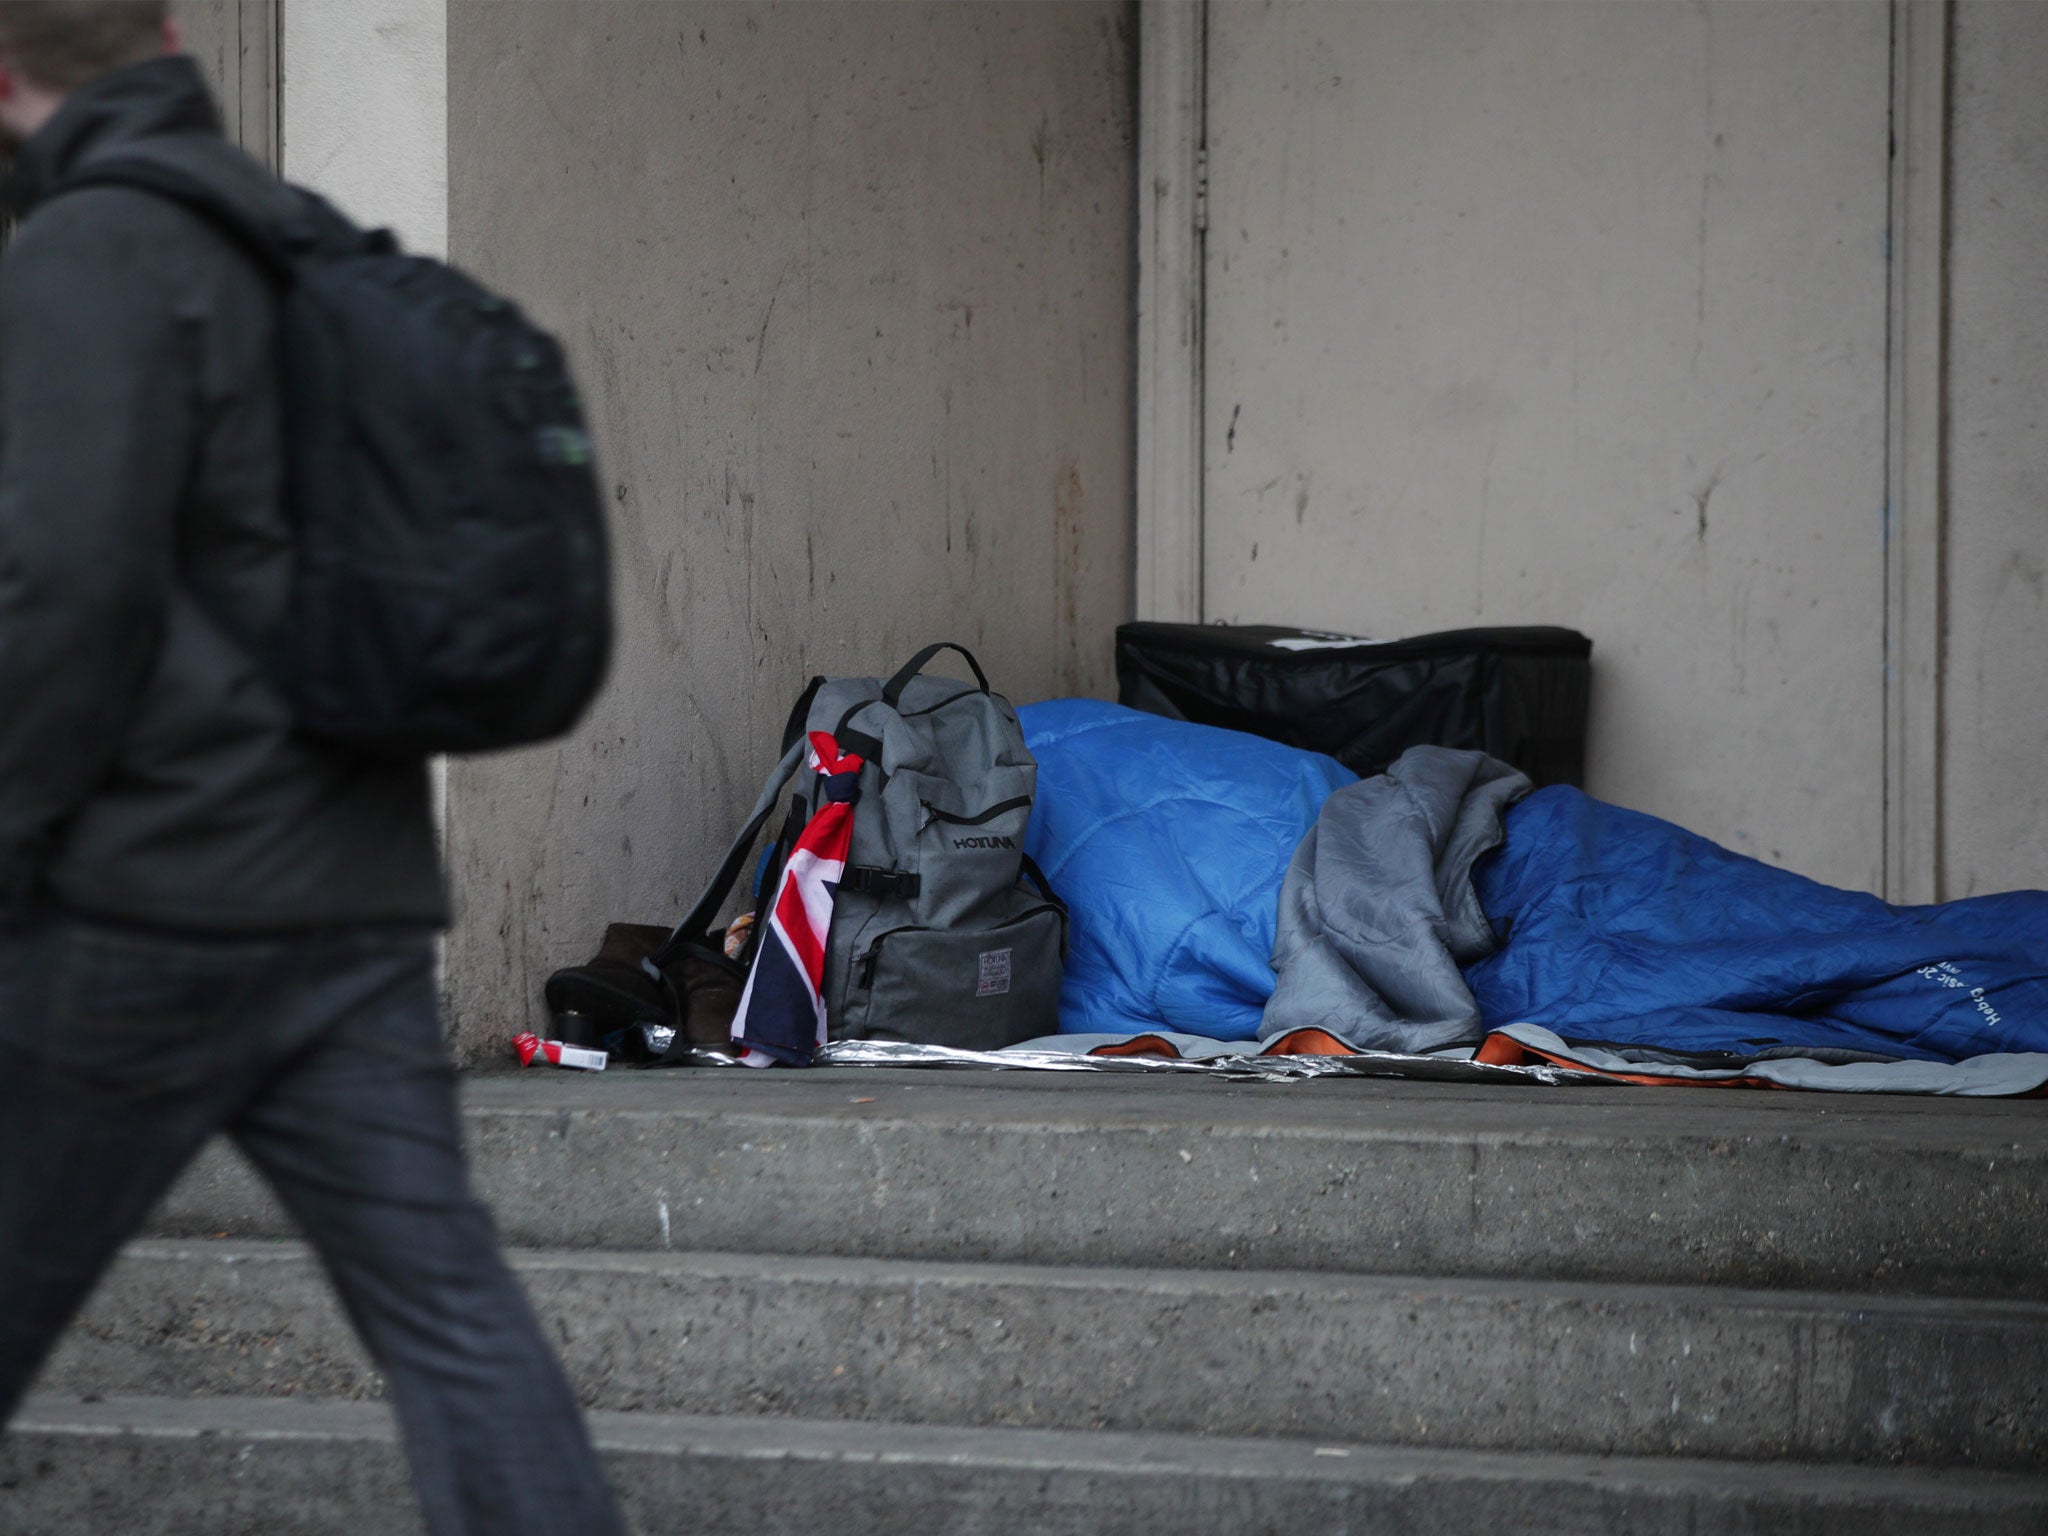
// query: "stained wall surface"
[[849, 291], [235, 44], [1995, 666], [1573, 314]]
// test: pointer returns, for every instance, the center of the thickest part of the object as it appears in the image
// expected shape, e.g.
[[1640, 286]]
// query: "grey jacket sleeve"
[[1378, 914], [96, 427]]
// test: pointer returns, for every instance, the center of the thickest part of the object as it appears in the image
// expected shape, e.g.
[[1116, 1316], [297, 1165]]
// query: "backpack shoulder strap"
[[705, 912], [278, 239], [273, 249]]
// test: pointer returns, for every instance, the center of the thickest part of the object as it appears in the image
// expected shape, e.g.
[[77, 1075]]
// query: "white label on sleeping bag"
[[995, 973], [1321, 642], [1946, 974]]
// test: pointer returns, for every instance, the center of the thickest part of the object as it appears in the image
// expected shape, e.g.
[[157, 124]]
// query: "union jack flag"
[[782, 1012]]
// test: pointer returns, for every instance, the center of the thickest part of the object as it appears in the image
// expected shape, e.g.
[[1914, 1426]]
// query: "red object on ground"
[[530, 1046]]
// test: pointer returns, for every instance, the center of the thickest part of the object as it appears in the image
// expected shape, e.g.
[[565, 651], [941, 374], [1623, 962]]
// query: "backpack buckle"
[[867, 880]]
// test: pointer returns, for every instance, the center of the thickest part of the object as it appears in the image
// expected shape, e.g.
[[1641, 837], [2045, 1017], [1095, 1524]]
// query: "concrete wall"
[[1995, 676], [365, 111], [235, 43], [849, 291], [1573, 314]]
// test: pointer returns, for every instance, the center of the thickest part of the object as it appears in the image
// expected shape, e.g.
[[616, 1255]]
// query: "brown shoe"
[[614, 990]]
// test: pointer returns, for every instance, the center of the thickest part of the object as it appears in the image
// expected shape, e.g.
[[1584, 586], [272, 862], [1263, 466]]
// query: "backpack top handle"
[[893, 689]]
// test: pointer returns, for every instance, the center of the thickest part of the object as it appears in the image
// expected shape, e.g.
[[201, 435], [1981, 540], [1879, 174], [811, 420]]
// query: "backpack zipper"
[[872, 956], [933, 813]]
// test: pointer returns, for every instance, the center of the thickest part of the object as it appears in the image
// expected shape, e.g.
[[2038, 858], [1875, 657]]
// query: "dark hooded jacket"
[[148, 770]]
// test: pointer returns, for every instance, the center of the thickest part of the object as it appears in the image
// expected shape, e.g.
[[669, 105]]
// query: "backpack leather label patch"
[[995, 973]]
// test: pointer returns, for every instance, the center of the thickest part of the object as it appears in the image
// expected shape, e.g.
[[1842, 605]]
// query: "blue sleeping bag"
[[1168, 841], [1623, 928]]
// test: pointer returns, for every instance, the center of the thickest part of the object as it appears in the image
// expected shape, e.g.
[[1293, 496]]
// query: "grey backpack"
[[941, 929]]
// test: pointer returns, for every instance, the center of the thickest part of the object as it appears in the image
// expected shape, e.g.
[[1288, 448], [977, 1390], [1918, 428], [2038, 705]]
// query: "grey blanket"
[[1378, 913]]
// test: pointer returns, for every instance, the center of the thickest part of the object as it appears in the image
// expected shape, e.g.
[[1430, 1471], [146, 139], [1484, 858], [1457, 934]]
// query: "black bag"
[[642, 982], [1516, 694], [451, 587]]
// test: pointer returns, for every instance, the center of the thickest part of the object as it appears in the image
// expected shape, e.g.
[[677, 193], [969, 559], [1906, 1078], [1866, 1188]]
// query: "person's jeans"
[[123, 1050]]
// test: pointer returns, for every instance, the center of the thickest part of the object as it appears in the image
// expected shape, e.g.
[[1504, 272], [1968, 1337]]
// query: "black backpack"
[[451, 586]]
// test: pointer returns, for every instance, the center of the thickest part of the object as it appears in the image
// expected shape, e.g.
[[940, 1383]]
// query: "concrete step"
[[1504, 1365], [259, 1467], [1782, 1190]]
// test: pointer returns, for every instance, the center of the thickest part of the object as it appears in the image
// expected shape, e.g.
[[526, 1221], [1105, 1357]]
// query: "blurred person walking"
[[211, 920]]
